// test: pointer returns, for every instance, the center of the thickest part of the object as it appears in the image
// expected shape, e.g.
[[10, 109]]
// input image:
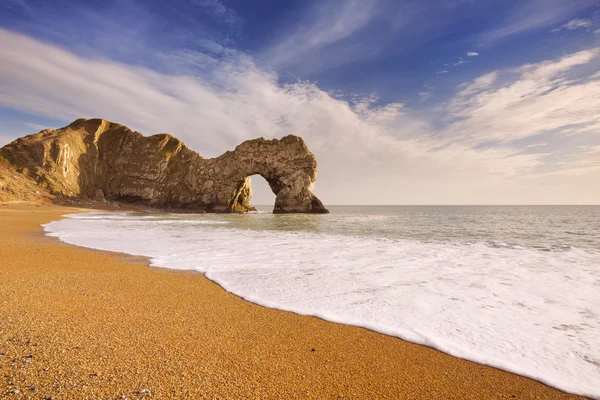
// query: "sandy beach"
[[78, 323]]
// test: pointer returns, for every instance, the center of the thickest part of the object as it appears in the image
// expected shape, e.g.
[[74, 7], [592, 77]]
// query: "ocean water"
[[515, 287]]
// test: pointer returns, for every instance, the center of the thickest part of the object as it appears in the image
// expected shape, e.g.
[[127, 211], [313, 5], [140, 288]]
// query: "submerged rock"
[[102, 160]]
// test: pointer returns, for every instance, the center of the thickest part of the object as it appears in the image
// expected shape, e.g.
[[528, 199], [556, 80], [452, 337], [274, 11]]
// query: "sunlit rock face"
[[98, 159], [15, 187]]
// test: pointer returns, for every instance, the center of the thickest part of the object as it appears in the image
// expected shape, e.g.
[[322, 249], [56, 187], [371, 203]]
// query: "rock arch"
[[100, 159], [287, 165]]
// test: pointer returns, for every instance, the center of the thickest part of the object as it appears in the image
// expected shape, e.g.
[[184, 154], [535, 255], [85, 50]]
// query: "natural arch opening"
[[292, 194], [254, 190], [287, 165], [262, 194]]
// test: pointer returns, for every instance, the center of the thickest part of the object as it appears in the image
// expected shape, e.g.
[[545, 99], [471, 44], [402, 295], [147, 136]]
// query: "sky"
[[401, 101]]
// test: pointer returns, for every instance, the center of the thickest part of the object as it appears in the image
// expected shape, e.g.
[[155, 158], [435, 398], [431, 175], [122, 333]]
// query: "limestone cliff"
[[14, 187], [99, 159]]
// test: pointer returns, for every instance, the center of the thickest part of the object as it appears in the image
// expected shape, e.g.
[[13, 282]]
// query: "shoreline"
[[232, 348]]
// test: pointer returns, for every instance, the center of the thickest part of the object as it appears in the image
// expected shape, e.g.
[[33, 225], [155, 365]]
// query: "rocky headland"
[[97, 160]]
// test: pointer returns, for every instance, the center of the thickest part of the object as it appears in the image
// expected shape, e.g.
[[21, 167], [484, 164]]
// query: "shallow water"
[[513, 287]]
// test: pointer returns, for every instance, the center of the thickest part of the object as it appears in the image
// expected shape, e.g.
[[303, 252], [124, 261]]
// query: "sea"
[[514, 287]]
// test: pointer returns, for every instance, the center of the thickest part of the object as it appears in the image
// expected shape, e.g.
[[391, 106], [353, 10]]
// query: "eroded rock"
[[14, 187], [97, 159]]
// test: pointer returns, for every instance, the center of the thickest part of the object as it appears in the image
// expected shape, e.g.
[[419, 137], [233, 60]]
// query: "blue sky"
[[415, 102]]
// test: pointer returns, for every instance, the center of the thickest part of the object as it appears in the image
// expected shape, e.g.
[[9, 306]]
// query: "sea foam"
[[535, 313]]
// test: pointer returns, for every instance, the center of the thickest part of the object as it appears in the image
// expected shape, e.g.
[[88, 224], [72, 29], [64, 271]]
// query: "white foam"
[[535, 313]]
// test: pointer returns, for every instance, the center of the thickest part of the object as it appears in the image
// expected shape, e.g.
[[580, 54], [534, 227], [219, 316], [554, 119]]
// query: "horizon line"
[[450, 205]]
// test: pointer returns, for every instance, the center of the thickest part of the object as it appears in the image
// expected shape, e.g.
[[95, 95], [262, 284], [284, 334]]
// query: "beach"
[[80, 323]]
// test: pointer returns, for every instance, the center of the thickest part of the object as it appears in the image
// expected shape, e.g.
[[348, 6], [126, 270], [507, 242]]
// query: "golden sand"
[[78, 323]]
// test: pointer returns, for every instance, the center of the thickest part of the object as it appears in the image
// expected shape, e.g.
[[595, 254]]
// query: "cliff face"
[[16, 187], [96, 159]]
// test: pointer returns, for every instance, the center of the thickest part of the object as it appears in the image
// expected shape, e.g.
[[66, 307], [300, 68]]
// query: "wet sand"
[[79, 323]]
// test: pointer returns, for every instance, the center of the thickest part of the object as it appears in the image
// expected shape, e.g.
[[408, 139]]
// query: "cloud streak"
[[577, 24], [221, 13], [543, 99], [532, 15], [326, 24]]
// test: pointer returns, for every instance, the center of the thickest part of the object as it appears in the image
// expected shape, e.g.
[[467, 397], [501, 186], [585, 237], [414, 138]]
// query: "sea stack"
[[98, 159]]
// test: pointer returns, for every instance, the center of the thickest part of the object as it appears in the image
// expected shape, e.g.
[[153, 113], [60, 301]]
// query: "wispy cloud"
[[425, 95], [582, 163], [542, 98], [466, 90], [334, 33], [536, 14], [15, 4], [577, 24], [221, 13], [37, 127], [472, 54], [325, 24]]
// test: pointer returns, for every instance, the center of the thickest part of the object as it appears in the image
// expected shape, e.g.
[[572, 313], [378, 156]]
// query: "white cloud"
[[219, 12], [577, 24], [332, 33], [37, 127], [542, 99], [551, 69], [367, 152], [472, 54], [424, 96], [530, 15], [479, 84], [326, 24], [582, 163], [15, 4], [442, 72]]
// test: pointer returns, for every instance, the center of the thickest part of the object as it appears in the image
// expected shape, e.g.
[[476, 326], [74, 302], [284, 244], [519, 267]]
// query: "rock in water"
[[96, 159]]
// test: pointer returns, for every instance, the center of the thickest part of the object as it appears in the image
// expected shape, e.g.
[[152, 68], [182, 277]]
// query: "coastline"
[[76, 322]]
